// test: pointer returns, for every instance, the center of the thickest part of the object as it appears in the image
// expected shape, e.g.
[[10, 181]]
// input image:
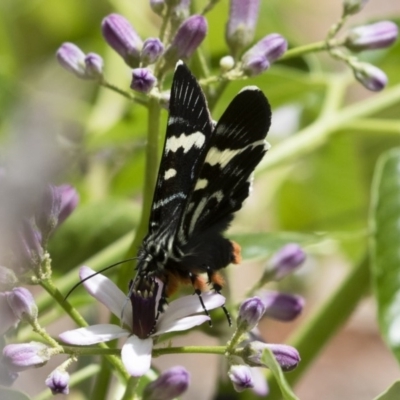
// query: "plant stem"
[[302, 50], [190, 350], [131, 389], [316, 134], [150, 179]]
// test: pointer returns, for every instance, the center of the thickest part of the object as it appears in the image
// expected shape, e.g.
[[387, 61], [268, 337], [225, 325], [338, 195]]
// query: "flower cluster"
[[142, 56], [379, 35], [28, 258], [246, 348]]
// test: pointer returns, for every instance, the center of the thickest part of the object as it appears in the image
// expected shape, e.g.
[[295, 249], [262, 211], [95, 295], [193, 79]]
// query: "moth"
[[204, 176]]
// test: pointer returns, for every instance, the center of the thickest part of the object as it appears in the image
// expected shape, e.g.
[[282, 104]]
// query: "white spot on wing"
[[201, 184], [186, 142], [215, 156], [170, 173]]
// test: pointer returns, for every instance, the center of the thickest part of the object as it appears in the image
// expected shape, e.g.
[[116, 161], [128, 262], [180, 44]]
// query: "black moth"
[[204, 177]]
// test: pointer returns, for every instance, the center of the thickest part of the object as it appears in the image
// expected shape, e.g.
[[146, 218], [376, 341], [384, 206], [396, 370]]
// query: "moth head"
[[153, 259]]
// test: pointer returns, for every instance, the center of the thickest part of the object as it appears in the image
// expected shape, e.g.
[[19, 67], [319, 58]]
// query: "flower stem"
[[56, 295], [303, 50], [131, 389], [123, 93], [190, 350], [150, 178], [316, 134]]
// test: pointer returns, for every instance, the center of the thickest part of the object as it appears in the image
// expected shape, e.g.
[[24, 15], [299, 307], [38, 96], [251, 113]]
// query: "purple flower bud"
[[280, 306], [151, 51], [255, 65], [369, 76], [374, 36], [58, 382], [19, 357], [8, 318], [8, 279], [23, 304], [284, 262], [169, 385], [286, 356], [250, 312], [72, 58], [353, 6], [243, 15], [241, 377], [94, 65], [157, 6], [259, 57], [187, 38], [143, 80], [121, 36], [69, 201]]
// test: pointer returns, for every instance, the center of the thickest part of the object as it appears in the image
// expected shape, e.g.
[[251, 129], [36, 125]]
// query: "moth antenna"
[[96, 273]]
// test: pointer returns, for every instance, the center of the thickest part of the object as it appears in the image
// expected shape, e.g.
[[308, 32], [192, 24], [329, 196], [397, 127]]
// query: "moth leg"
[[216, 280], [163, 299], [197, 283]]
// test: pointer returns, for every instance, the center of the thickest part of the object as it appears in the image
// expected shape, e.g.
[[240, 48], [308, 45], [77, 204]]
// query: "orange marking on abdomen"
[[217, 279], [237, 257]]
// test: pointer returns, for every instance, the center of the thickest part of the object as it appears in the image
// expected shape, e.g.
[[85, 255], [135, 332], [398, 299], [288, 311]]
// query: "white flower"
[[141, 326]]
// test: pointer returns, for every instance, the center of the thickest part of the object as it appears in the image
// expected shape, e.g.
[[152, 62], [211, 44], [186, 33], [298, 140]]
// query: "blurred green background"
[[95, 140]]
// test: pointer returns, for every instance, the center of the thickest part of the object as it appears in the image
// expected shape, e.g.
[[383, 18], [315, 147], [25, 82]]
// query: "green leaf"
[[385, 246], [393, 393], [269, 359], [263, 245], [10, 394]]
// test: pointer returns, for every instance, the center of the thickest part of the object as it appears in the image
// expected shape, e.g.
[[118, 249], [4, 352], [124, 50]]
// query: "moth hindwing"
[[203, 179]]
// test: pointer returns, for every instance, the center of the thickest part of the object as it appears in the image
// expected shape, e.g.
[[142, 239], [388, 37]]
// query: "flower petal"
[[105, 291], [93, 334], [180, 324], [136, 355], [189, 305]]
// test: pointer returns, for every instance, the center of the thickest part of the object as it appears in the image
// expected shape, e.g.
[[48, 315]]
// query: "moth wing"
[[188, 136], [237, 145]]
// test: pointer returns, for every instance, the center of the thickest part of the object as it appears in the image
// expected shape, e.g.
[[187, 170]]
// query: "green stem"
[[316, 134], [150, 179], [56, 295], [324, 323], [190, 350], [124, 93], [303, 50], [375, 125], [130, 389]]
